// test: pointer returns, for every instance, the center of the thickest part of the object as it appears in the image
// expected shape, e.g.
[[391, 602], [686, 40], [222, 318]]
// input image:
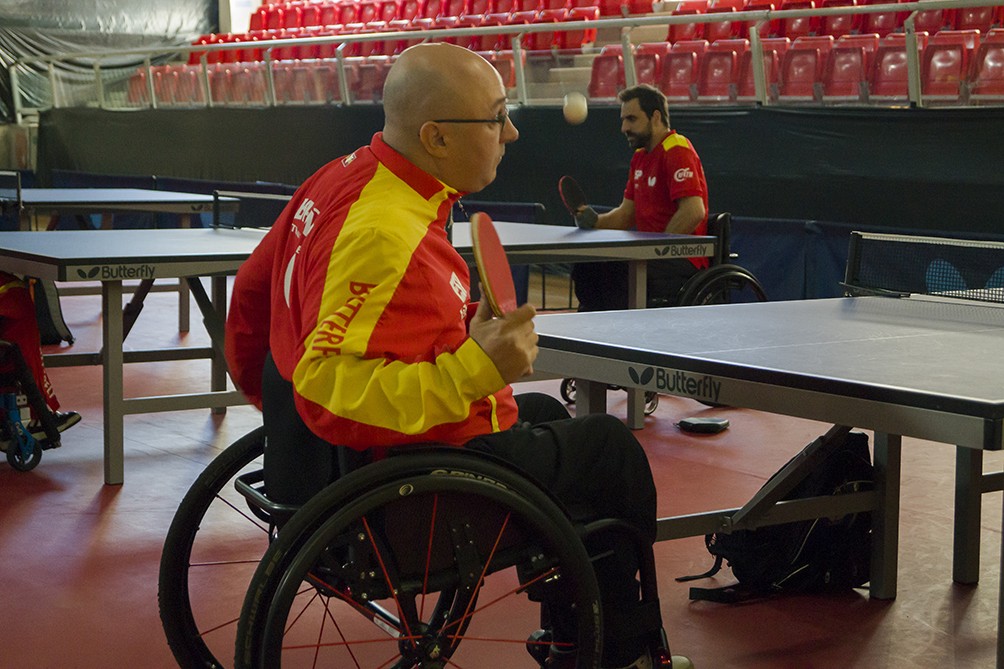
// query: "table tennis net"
[[906, 264]]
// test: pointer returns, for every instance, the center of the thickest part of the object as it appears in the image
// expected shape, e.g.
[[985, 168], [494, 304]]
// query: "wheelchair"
[[24, 450], [431, 557], [722, 282]]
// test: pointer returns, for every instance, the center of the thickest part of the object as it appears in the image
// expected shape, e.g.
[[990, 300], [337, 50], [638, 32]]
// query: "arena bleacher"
[[837, 58]]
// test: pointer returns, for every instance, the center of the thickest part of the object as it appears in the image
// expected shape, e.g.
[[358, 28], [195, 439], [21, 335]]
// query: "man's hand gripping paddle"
[[493, 265], [575, 202]]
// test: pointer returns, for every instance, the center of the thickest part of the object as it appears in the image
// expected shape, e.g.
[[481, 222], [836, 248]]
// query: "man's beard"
[[638, 141]]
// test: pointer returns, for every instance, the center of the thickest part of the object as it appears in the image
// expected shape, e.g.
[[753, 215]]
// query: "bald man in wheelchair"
[[359, 300]]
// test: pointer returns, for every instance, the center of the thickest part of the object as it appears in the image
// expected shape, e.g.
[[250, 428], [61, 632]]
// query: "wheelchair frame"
[[313, 551], [24, 451]]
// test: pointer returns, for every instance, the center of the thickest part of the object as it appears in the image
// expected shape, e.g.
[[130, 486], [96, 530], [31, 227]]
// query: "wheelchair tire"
[[17, 459], [204, 568], [363, 555], [721, 284], [567, 390]]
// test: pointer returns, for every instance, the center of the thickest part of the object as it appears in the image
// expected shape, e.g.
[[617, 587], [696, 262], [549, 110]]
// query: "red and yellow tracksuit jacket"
[[366, 310]]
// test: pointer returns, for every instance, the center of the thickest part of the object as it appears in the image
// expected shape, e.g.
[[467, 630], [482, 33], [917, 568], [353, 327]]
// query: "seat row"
[[294, 82], [882, 23], [957, 67], [298, 14], [257, 41]]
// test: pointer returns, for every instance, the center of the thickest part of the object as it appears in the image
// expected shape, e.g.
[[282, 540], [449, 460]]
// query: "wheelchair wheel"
[[421, 560], [567, 390], [211, 550], [651, 402], [722, 284]]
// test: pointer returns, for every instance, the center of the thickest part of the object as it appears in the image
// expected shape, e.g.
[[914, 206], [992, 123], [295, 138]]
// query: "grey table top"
[[938, 354]]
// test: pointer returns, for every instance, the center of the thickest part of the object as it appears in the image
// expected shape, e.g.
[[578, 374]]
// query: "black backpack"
[[818, 555], [52, 328]]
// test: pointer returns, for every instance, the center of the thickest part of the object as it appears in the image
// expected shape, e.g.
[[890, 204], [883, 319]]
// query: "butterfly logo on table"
[[89, 274], [641, 378]]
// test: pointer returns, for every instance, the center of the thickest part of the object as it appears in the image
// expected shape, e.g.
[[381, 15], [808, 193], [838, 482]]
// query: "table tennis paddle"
[[493, 265], [571, 194], [574, 200]]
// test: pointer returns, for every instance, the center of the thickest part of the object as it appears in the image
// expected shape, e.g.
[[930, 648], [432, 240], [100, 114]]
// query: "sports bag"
[[824, 554]]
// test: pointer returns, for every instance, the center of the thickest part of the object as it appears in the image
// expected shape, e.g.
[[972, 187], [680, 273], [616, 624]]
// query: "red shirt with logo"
[[658, 178], [366, 309]]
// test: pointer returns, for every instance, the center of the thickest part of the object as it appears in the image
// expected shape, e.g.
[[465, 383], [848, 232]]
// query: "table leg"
[[112, 362], [184, 304], [590, 397], [1000, 607], [218, 373], [637, 287], [885, 520], [968, 509]]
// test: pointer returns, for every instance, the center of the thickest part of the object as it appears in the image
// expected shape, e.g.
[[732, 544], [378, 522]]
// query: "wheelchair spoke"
[[428, 553]]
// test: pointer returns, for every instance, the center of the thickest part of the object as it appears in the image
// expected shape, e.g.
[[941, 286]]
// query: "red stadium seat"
[[888, 79], [505, 63], [310, 15], [372, 75], [722, 29], [719, 76], [410, 9], [648, 58], [986, 78], [328, 14], [802, 69], [388, 10], [455, 8], [257, 20], [978, 18], [275, 17], [933, 20], [348, 12], [504, 7], [769, 28], [545, 41], [472, 42], [637, 7], [480, 7], [945, 65], [296, 83], [248, 84], [881, 23], [557, 4], [527, 5], [574, 39], [328, 80], [681, 69], [607, 78], [845, 78], [803, 26], [774, 49], [840, 24], [682, 31], [504, 42]]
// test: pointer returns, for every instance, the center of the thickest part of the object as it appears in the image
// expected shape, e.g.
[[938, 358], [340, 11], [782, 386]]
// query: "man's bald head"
[[430, 87], [430, 81]]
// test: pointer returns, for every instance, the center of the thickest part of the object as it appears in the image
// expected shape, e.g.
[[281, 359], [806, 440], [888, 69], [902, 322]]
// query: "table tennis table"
[[29, 203], [113, 256], [921, 366]]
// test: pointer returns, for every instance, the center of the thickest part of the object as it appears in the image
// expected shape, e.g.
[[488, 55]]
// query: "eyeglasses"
[[500, 119]]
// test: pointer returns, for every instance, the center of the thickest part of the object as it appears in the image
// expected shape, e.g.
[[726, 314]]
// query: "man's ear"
[[433, 139]]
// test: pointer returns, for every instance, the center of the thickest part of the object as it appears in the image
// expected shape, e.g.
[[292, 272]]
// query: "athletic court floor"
[[79, 560]]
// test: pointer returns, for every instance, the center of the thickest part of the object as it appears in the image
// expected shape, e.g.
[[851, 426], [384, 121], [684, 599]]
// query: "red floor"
[[79, 559]]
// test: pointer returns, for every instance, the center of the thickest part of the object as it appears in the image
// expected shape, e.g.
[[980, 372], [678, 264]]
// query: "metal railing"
[[102, 78]]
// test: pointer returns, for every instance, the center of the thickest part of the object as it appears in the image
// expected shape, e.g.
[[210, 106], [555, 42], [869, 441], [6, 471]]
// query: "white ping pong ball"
[[575, 108]]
